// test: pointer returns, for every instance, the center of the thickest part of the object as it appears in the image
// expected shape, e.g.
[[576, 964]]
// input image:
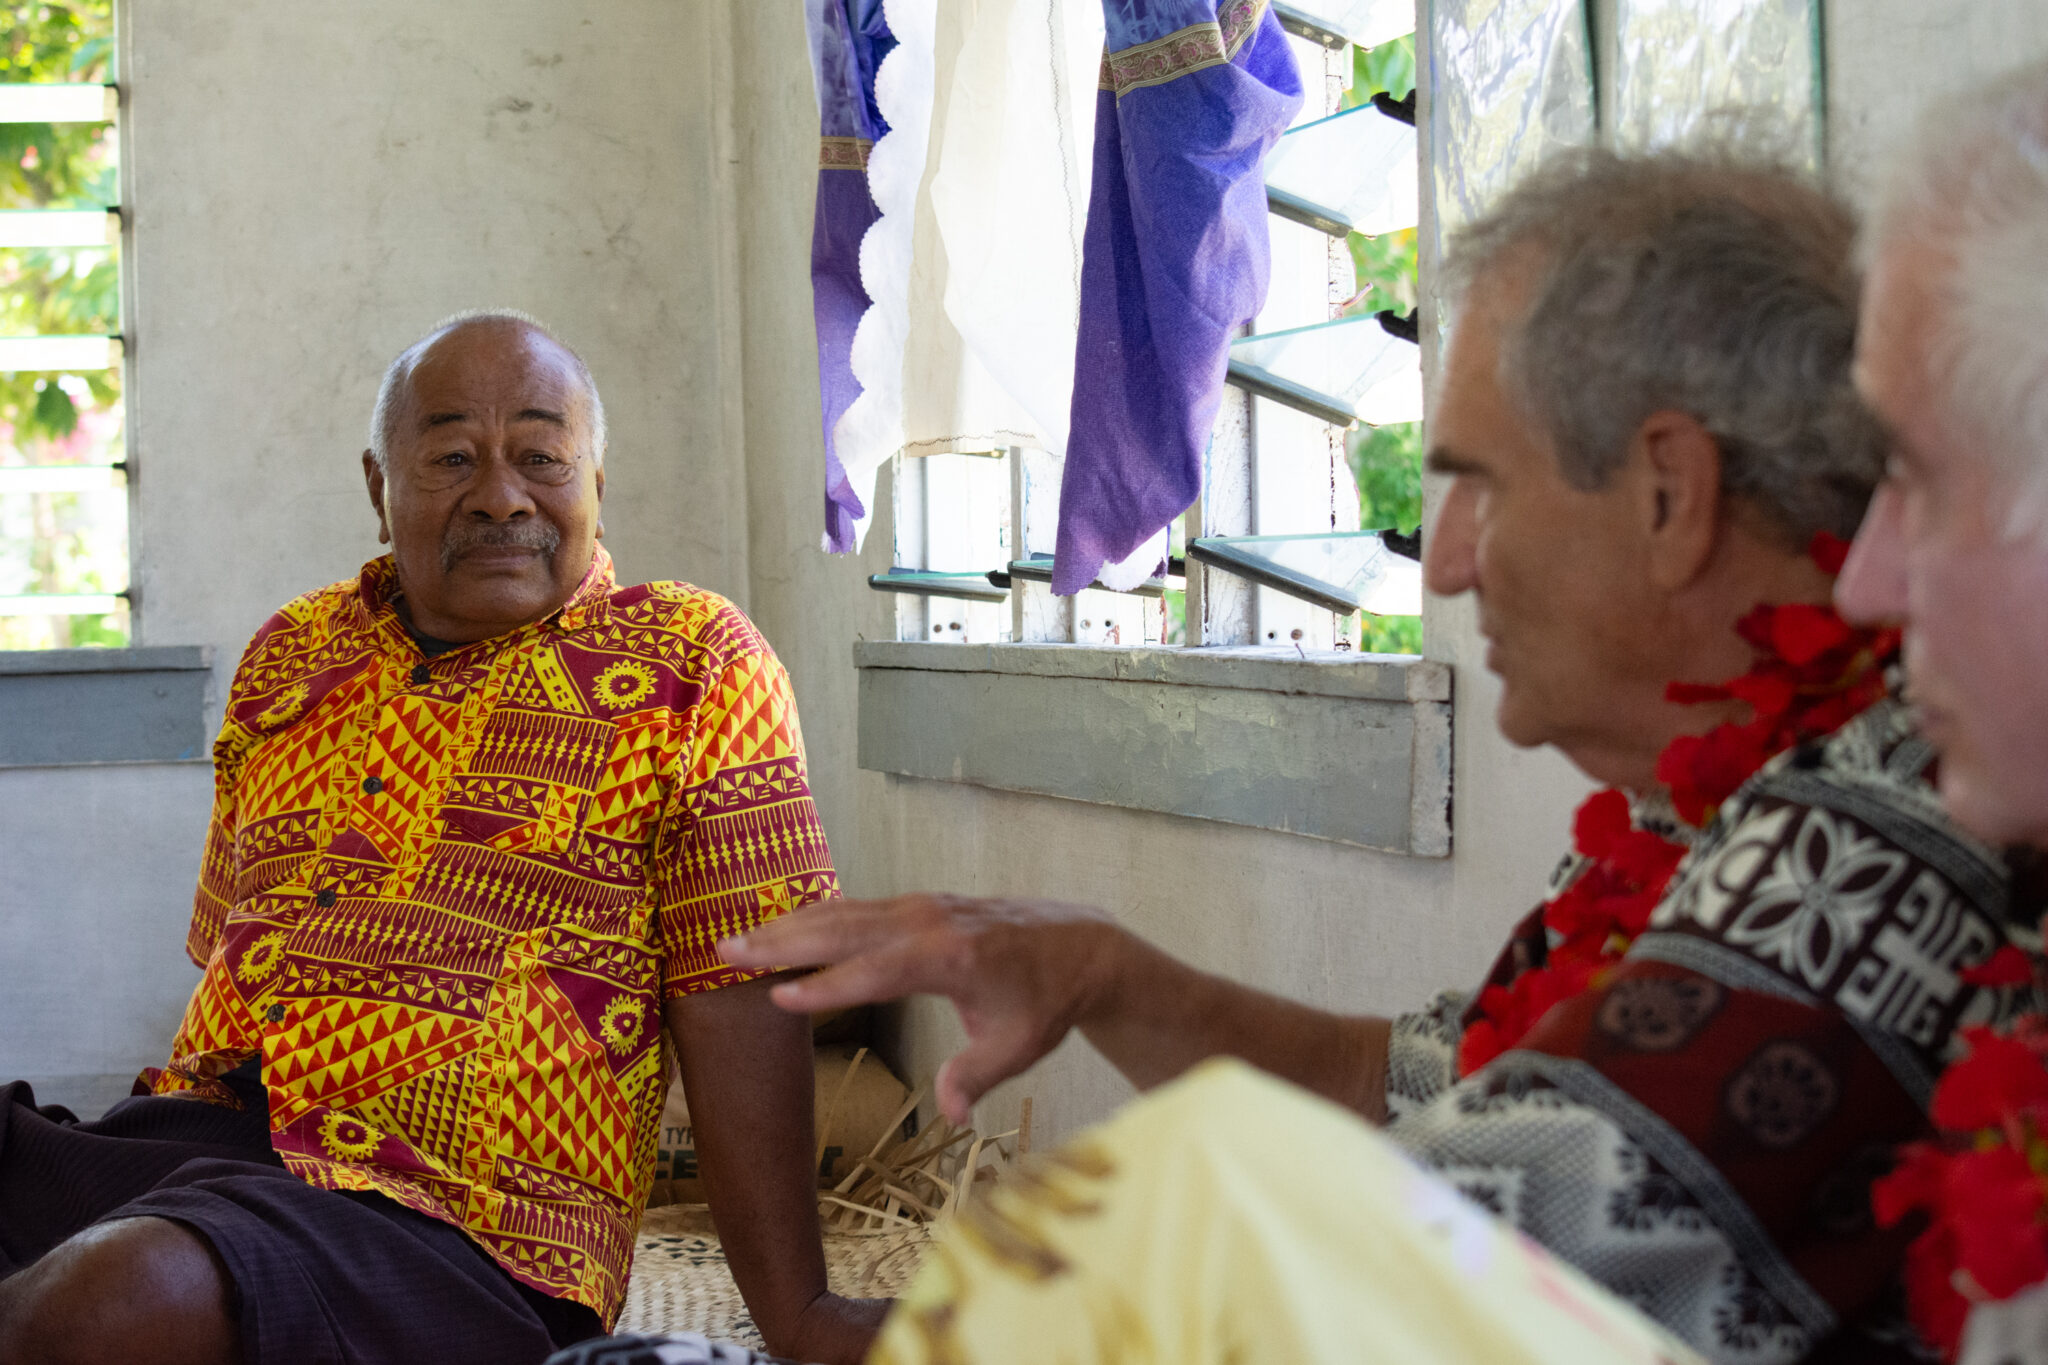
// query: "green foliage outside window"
[[1386, 461], [60, 542]]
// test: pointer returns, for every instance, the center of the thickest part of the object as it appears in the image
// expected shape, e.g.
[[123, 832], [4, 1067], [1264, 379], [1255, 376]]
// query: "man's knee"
[[143, 1290]]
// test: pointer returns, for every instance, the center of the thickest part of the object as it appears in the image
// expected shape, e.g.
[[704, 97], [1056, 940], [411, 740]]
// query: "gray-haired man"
[[1646, 418]]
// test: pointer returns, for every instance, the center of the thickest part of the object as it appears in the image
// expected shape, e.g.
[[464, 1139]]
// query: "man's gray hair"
[[1707, 282], [1974, 189], [391, 394]]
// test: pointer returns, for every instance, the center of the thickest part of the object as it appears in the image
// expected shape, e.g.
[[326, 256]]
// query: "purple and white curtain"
[[849, 38], [1061, 222], [1193, 95]]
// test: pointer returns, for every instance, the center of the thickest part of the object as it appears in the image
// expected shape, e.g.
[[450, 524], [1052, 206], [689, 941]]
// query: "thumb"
[[976, 1069]]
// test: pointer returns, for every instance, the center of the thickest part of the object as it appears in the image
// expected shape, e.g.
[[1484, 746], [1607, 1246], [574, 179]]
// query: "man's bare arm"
[[747, 1075], [1024, 973]]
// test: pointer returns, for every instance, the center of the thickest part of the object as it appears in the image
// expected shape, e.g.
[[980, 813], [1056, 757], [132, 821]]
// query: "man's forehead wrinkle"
[[454, 417]]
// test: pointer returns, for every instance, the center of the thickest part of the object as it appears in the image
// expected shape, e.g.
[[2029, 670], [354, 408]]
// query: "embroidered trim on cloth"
[[844, 153], [1190, 49]]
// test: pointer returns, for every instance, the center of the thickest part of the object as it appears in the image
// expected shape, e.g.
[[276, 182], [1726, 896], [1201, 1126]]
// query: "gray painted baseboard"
[[140, 705]]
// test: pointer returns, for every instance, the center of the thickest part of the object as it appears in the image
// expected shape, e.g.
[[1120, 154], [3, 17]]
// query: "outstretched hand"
[[1020, 973]]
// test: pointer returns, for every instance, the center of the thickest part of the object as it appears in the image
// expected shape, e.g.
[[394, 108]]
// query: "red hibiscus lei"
[[1982, 1187], [1813, 672]]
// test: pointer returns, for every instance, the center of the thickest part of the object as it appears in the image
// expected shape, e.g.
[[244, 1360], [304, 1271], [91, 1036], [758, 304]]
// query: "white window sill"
[[1346, 747]]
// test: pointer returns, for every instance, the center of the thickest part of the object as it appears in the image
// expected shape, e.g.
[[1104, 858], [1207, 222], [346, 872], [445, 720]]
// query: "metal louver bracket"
[[1407, 544], [1344, 571], [1407, 326], [1402, 108], [1356, 369], [1038, 569], [1333, 23], [1351, 172], [975, 587]]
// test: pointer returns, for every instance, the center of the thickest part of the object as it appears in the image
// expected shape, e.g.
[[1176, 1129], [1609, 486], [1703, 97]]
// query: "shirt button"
[[422, 675], [373, 785], [275, 1014], [324, 897]]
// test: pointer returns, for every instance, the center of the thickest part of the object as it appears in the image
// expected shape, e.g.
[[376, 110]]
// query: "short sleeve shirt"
[[444, 899]]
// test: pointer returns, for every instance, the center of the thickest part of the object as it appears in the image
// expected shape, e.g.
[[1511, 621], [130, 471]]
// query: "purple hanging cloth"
[[1194, 94], [848, 41]]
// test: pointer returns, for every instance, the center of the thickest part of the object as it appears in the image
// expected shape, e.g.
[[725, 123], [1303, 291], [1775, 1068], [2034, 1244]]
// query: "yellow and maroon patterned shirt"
[[444, 899]]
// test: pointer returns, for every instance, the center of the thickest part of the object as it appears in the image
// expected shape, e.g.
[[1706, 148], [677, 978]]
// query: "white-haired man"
[[1953, 356], [479, 814]]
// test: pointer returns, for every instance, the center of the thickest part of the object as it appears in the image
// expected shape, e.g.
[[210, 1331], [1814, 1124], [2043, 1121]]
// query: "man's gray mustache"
[[466, 536]]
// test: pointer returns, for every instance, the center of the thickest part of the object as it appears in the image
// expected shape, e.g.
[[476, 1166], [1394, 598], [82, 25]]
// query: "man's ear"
[[1680, 507], [600, 502], [373, 477]]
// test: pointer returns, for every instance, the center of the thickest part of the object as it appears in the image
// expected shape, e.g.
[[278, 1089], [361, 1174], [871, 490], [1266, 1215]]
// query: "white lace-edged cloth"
[[974, 267]]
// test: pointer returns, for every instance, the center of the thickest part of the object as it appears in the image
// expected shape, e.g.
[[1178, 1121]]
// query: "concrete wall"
[[100, 861]]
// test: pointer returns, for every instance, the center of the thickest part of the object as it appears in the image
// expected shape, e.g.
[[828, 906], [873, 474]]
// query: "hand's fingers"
[[904, 966], [821, 933]]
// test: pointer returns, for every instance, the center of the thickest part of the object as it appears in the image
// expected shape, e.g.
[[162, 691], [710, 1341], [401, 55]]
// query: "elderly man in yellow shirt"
[[480, 816]]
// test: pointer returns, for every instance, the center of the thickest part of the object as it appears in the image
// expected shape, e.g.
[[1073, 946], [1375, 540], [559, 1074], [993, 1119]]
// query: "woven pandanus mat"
[[681, 1284]]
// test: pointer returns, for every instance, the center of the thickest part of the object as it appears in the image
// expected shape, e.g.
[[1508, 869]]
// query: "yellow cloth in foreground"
[[1230, 1217]]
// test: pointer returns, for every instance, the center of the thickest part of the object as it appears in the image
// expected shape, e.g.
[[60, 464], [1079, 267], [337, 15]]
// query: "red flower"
[[1993, 1203], [1915, 1183], [2009, 966], [1829, 551], [1479, 1044], [1802, 631], [1507, 1012], [1601, 822], [1938, 1309], [1770, 694], [2001, 1078], [1704, 770]]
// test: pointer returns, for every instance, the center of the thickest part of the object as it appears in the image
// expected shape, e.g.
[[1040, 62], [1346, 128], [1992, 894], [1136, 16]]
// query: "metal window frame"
[[23, 224]]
